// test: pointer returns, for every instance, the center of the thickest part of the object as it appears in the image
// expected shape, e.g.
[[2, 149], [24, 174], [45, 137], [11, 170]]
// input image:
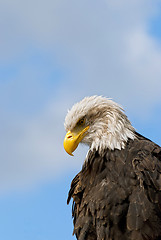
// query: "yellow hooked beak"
[[72, 139]]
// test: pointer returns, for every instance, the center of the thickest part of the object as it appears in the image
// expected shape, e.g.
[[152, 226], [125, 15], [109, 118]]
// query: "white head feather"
[[109, 126]]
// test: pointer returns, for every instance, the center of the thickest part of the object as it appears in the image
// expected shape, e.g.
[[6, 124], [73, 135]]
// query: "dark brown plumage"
[[117, 195]]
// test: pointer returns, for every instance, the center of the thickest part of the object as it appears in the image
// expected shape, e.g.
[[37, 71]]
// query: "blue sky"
[[53, 53]]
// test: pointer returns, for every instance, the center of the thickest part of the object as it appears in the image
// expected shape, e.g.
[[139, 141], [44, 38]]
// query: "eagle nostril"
[[69, 136]]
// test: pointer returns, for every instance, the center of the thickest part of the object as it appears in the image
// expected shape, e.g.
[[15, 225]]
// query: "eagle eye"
[[81, 121]]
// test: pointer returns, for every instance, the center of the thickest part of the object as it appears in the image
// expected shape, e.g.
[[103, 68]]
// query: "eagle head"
[[98, 122]]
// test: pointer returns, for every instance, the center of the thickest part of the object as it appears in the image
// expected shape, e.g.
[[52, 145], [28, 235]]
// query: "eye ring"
[[81, 121]]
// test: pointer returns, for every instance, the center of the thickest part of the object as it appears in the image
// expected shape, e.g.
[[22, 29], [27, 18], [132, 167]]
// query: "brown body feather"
[[117, 196]]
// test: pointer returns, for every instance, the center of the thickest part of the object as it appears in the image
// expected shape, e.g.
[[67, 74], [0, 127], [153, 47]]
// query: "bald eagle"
[[117, 194]]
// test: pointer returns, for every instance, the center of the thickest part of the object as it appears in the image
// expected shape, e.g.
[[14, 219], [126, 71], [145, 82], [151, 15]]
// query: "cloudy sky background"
[[52, 54]]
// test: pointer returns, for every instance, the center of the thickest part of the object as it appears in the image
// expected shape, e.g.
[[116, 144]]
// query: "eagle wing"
[[145, 200]]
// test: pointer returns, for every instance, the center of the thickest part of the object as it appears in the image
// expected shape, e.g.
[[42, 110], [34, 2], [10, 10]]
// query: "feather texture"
[[109, 126], [117, 195]]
